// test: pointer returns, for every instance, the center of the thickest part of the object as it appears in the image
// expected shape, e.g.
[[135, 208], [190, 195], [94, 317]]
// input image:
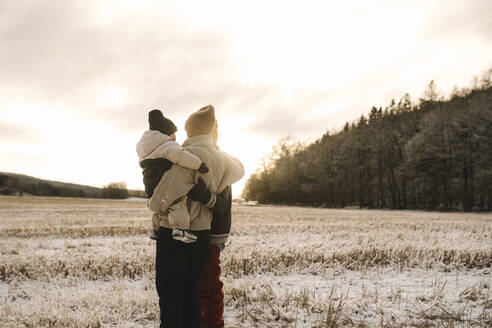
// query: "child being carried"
[[157, 150]]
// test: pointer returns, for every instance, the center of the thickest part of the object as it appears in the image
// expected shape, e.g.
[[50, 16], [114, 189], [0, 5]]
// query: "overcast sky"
[[77, 78]]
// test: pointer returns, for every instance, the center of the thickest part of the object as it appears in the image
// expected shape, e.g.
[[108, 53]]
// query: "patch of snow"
[[4, 292], [369, 295]]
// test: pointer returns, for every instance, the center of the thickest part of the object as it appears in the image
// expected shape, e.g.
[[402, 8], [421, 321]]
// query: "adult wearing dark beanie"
[[158, 122]]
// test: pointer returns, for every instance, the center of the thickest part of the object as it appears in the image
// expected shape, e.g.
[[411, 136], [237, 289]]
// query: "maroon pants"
[[211, 294]]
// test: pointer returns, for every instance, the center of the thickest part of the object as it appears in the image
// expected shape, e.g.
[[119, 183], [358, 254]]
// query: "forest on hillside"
[[434, 153], [20, 184]]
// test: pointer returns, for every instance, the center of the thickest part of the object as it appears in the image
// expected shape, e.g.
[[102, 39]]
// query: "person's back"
[[224, 170]]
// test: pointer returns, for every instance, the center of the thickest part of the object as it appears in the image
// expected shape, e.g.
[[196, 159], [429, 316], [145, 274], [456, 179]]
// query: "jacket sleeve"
[[172, 151], [234, 169], [221, 222], [174, 184], [222, 201]]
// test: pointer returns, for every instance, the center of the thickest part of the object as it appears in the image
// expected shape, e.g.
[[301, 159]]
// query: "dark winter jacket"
[[221, 217]]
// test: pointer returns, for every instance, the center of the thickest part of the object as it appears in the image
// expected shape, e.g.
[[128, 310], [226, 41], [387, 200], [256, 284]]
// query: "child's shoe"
[[153, 234], [184, 236]]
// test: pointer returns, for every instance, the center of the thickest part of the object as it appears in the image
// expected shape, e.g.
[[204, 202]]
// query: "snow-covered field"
[[89, 263]]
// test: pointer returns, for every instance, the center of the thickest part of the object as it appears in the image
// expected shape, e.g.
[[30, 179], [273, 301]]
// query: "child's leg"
[[178, 216], [184, 236]]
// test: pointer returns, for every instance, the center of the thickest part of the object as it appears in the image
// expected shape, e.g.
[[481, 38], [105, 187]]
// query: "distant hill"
[[19, 184]]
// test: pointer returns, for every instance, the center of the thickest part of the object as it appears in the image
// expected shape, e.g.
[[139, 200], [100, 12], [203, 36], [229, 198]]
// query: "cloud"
[[16, 133], [58, 51], [281, 112], [459, 20], [61, 54], [107, 64]]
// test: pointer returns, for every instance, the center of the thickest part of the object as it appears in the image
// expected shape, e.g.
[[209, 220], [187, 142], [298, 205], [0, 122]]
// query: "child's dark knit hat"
[[158, 122]]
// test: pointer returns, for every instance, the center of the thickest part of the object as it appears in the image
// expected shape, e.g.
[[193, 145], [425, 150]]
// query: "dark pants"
[[178, 268], [211, 294]]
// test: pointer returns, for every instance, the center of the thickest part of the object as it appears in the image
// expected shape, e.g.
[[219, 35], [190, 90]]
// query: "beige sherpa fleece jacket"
[[224, 170], [154, 144]]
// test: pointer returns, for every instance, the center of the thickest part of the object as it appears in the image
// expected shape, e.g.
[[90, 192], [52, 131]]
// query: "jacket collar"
[[203, 140]]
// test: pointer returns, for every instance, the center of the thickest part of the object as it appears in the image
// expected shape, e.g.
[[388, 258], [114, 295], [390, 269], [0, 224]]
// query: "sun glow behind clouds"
[[72, 148], [235, 140], [110, 97], [249, 148], [69, 147], [317, 44]]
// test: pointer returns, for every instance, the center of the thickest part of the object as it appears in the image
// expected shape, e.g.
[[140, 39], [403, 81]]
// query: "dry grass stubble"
[[97, 254]]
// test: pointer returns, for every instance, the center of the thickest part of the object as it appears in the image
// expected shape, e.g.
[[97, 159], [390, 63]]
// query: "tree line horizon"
[[19, 185], [434, 154]]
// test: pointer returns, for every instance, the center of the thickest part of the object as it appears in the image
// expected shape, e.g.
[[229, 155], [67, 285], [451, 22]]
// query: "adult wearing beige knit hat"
[[201, 122], [179, 266]]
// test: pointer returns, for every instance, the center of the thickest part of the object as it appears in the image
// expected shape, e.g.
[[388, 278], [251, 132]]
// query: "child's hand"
[[203, 168]]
